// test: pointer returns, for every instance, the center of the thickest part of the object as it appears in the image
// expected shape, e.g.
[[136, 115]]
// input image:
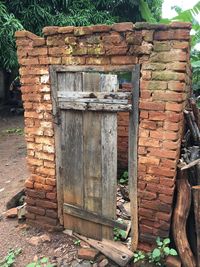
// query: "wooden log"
[[195, 110], [197, 169], [180, 216], [191, 126], [196, 198]]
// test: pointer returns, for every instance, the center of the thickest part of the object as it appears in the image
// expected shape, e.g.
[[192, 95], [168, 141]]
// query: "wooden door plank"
[[72, 151], [109, 83], [133, 156], [92, 158], [92, 217], [57, 132], [114, 250]]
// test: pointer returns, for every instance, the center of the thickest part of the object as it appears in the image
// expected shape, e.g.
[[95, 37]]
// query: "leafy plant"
[[43, 262], [77, 242], [119, 234], [158, 255], [9, 260], [33, 15], [18, 131], [124, 178]]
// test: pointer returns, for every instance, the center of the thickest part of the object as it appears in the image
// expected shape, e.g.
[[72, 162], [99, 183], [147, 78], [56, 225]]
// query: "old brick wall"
[[163, 52]]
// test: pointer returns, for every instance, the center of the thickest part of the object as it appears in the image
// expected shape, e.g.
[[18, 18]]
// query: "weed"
[[44, 262], [119, 234], [158, 255], [77, 242], [18, 131], [9, 260], [124, 178]]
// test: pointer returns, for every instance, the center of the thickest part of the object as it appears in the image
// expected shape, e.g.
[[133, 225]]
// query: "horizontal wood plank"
[[95, 106], [94, 95], [92, 217]]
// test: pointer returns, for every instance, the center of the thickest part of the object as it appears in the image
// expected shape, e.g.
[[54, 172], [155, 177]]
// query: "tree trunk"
[[196, 197], [180, 218]]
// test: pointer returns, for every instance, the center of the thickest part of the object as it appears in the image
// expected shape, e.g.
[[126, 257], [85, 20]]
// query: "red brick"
[[141, 185], [51, 213], [145, 94], [163, 216], [39, 186], [166, 199], [172, 126], [28, 183], [97, 61], [171, 145], [87, 253], [116, 50], [66, 29], [35, 210], [161, 171], [46, 220], [151, 179], [30, 201], [168, 162], [142, 150], [178, 34], [145, 229], [151, 105], [168, 96], [123, 60], [46, 171], [160, 134], [38, 51], [144, 114], [155, 205], [122, 27], [149, 142], [174, 107], [151, 125], [51, 181], [157, 116], [176, 86], [46, 204], [101, 28], [147, 195], [35, 194], [162, 153], [173, 116], [146, 213], [51, 195], [30, 216], [169, 182], [38, 179], [162, 189], [180, 45], [149, 160]]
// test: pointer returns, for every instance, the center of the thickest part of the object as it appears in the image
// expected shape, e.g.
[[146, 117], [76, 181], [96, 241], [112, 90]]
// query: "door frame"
[[133, 135]]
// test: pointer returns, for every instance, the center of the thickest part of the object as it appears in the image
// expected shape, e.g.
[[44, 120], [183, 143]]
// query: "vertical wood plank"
[[57, 132], [92, 157], [133, 156], [109, 83], [72, 150]]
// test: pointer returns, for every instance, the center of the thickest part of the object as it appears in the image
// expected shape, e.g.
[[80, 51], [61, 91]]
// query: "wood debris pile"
[[188, 182]]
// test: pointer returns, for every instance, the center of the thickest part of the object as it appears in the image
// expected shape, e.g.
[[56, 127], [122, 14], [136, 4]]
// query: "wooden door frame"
[[133, 135]]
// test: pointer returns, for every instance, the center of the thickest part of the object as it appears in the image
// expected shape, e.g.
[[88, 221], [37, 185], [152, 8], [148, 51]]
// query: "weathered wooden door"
[[85, 106]]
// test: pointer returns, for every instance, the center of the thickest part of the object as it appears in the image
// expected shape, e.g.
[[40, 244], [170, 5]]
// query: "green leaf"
[[166, 250], [166, 241], [156, 253], [44, 260], [173, 252]]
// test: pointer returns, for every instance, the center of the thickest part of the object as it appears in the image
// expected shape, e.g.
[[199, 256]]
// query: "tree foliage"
[[33, 15]]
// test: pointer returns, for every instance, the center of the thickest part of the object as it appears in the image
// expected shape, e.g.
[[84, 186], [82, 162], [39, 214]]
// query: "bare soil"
[[13, 172]]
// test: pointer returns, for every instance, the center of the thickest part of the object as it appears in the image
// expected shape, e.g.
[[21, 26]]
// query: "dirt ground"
[[13, 172]]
